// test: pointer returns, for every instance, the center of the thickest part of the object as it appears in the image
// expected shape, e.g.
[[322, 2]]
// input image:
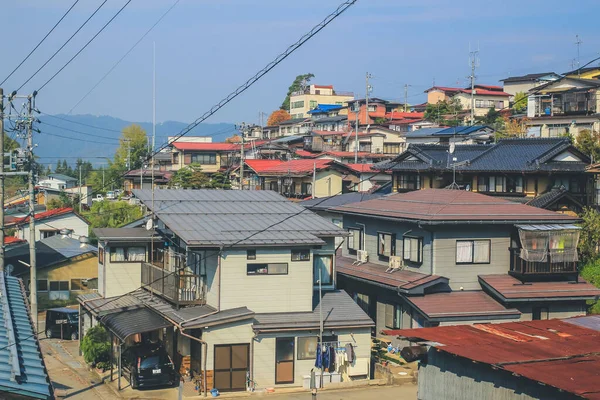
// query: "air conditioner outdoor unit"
[[361, 257], [394, 264]]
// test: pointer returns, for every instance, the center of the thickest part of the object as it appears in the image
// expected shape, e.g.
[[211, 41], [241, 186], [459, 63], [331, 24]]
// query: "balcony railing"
[[177, 287], [521, 267]]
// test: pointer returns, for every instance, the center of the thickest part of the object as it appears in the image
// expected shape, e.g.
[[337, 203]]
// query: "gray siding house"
[[440, 257], [233, 288]]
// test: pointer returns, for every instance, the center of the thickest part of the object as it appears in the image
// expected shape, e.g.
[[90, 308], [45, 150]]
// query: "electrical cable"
[[79, 123], [80, 132], [124, 56], [63, 46], [84, 47], [40, 42]]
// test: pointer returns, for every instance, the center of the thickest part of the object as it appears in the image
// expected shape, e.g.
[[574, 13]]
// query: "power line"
[[124, 56], [80, 132], [40, 43], [63, 46], [79, 123], [78, 139], [86, 45]]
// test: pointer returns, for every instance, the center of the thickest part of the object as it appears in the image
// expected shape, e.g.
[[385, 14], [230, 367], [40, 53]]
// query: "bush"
[[591, 273], [96, 345]]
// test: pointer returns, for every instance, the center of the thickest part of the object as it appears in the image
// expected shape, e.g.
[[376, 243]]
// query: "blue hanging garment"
[[319, 360]]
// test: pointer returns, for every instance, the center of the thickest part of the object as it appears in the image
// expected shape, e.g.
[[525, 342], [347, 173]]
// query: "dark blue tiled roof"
[[325, 203], [463, 130], [508, 155], [22, 369]]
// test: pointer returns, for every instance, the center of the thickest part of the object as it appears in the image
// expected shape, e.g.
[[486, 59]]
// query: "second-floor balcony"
[[569, 103], [179, 288], [558, 263]]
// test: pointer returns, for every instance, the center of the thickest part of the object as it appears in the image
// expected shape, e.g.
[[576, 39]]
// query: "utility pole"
[[474, 61], [32, 253], [2, 181], [80, 187], [242, 129], [368, 89], [356, 136], [406, 85]]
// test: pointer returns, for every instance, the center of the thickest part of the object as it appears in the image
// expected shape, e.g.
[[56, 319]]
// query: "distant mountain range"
[[95, 137]]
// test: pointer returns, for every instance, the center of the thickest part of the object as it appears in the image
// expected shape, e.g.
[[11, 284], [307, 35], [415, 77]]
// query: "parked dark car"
[[62, 323], [148, 365]]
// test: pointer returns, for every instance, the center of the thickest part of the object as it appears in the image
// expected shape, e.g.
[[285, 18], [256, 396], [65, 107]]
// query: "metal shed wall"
[[447, 377]]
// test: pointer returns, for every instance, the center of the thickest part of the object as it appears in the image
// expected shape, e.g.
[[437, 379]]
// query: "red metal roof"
[[276, 167], [329, 133], [461, 304], [307, 154], [484, 92], [404, 279], [324, 86], [451, 205], [509, 288], [490, 87], [554, 352], [8, 240], [43, 215], [405, 115], [360, 167]]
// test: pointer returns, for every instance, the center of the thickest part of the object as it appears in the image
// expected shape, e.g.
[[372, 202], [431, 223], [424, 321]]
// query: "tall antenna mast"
[[578, 42], [153, 144], [474, 62]]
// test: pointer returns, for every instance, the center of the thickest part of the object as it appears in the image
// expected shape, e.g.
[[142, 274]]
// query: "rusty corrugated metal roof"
[[557, 353]]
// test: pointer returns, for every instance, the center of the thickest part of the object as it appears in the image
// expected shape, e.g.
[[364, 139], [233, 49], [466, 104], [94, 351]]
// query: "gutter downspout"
[[219, 267]]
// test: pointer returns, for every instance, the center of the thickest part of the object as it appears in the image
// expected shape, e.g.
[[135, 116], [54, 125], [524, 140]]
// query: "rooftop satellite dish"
[[451, 150], [9, 269], [149, 224]]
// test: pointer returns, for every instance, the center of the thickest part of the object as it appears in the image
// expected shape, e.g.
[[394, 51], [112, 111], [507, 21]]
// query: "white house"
[[58, 181], [50, 223]]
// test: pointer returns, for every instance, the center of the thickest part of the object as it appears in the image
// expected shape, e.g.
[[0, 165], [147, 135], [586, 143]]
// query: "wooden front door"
[[232, 362], [284, 360]]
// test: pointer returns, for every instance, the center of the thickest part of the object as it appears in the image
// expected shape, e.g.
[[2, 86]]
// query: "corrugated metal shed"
[[557, 353], [213, 218], [22, 369]]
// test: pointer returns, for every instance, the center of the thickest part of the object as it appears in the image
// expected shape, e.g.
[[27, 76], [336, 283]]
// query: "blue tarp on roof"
[[323, 108], [27, 376]]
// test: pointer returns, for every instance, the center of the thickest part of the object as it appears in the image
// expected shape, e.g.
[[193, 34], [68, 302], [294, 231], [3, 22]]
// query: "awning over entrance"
[[127, 323]]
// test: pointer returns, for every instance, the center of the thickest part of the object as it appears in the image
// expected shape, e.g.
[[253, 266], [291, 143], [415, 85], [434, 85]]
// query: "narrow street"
[[70, 377], [404, 392]]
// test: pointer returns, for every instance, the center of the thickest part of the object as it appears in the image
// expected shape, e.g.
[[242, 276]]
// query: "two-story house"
[[302, 101], [235, 291], [524, 83], [441, 257], [58, 181], [295, 127], [484, 97], [519, 169], [49, 223], [564, 106], [300, 178]]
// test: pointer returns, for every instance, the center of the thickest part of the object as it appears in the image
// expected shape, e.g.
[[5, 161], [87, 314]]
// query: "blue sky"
[[207, 48]]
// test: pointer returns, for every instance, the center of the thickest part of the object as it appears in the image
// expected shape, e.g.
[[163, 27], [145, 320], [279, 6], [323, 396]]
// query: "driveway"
[[404, 392]]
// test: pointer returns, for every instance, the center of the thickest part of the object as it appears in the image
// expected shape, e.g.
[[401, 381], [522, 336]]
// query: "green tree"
[[444, 112], [220, 181], [589, 239], [190, 177], [95, 345], [296, 86], [588, 142], [111, 214], [591, 273], [133, 146], [519, 102]]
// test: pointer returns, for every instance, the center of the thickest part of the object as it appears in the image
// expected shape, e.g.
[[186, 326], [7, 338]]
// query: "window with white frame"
[[386, 244], [473, 251], [412, 249], [355, 239]]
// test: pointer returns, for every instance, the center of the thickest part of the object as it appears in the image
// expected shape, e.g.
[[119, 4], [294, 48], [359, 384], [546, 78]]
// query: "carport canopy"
[[126, 323]]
